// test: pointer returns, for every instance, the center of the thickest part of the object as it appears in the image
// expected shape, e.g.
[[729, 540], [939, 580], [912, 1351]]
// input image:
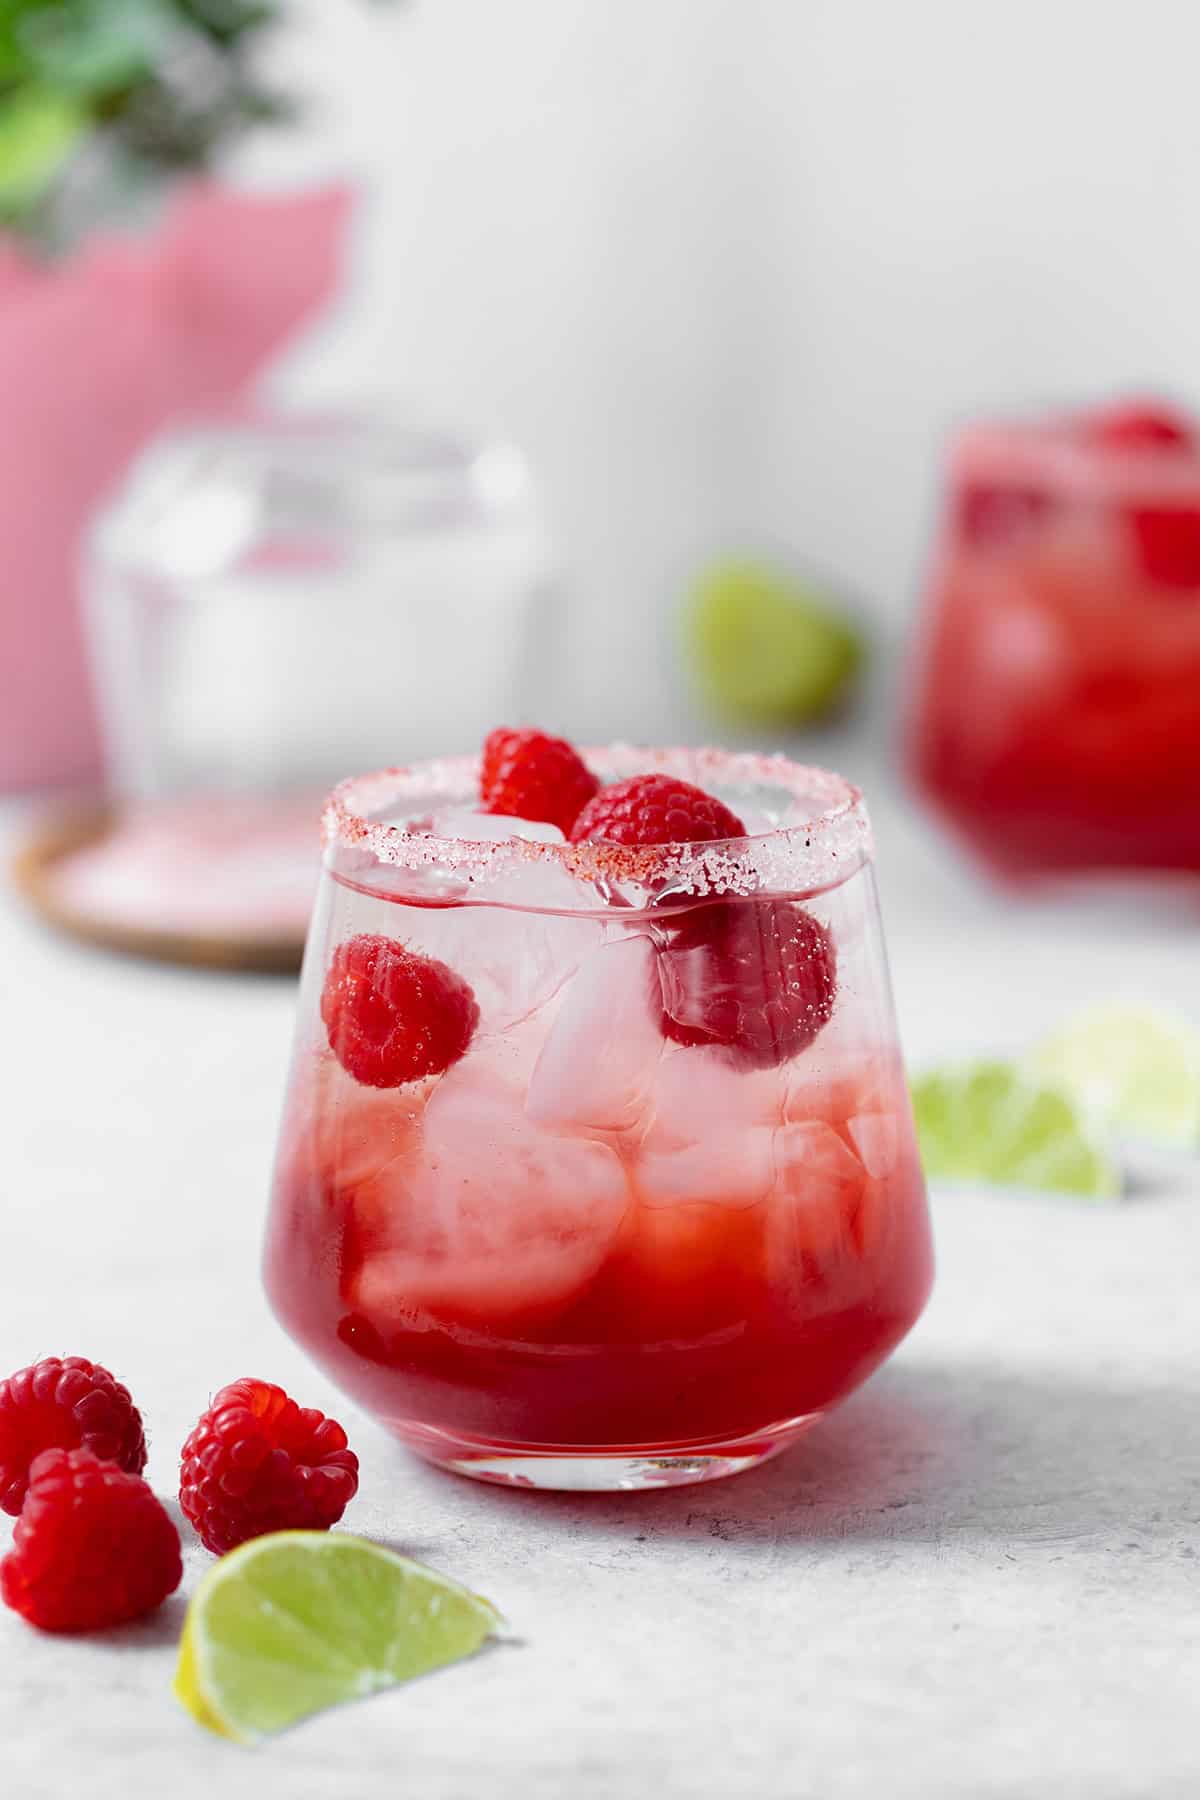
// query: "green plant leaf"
[[97, 47], [38, 131], [158, 85], [229, 20]]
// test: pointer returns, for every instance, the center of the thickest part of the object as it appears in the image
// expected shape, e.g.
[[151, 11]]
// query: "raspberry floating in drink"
[[759, 979], [393, 1016]]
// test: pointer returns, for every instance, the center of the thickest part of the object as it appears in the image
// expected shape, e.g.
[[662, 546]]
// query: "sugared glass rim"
[[1042, 449], [820, 849]]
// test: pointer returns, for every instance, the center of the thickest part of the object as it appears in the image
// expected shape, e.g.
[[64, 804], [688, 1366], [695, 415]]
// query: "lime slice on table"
[[1139, 1070], [297, 1621], [991, 1122], [766, 647]]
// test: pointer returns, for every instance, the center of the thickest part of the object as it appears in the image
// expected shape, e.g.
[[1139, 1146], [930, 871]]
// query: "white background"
[[729, 268]]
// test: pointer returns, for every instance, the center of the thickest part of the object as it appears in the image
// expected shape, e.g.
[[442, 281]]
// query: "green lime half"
[[297, 1621], [1139, 1070], [990, 1122], [768, 648]]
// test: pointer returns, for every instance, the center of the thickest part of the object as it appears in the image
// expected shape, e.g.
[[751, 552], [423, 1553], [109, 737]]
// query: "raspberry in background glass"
[[1055, 719], [597, 1168]]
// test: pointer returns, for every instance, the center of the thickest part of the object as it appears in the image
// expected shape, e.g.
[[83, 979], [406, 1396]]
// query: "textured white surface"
[[980, 1578]]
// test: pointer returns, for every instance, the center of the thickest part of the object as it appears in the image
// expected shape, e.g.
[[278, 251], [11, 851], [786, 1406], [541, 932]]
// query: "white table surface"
[[980, 1578]]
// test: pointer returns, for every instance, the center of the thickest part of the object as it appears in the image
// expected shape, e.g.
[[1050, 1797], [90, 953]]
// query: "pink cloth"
[[96, 356]]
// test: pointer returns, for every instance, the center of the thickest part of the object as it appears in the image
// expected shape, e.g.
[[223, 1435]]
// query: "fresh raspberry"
[[1139, 427], [758, 978], [64, 1403], [1168, 543], [527, 775], [655, 809], [993, 516], [257, 1462], [393, 1016], [93, 1546]]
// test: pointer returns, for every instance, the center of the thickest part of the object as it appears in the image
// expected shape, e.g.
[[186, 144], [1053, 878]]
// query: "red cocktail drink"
[[1057, 717], [665, 1208]]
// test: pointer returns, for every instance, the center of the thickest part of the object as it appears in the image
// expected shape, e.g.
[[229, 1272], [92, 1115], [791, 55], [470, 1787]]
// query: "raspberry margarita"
[[598, 1167], [1057, 722]]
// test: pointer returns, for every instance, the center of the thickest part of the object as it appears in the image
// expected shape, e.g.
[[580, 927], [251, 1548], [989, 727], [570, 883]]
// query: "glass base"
[[567, 1468]]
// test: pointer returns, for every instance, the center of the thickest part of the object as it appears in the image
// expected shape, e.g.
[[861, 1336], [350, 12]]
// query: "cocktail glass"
[[601, 1249], [1056, 717]]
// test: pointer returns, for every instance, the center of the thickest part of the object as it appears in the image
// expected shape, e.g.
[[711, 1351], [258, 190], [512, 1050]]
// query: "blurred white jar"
[[277, 602]]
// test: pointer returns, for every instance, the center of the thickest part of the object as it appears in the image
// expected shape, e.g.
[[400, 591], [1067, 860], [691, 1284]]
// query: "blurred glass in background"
[[1056, 721], [279, 602]]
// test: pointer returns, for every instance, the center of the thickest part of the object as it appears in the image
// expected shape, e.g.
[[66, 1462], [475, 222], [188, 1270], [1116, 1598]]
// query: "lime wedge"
[[297, 1621], [1138, 1070], [767, 648], [991, 1122]]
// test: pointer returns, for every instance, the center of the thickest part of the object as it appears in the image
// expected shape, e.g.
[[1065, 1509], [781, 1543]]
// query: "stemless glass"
[[1055, 719], [614, 1245]]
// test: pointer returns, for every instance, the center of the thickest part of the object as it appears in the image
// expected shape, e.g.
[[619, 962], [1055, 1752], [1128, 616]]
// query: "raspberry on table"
[[64, 1403], [93, 1547], [655, 809], [527, 775], [392, 1016], [257, 1462], [756, 977]]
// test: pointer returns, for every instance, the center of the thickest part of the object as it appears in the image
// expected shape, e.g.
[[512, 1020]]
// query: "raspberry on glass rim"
[[1053, 719], [655, 809], [528, 775], [757, 979], [597, 1166]]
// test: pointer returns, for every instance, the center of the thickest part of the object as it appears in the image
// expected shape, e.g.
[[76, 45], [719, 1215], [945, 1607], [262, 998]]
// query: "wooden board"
[[59, 835]]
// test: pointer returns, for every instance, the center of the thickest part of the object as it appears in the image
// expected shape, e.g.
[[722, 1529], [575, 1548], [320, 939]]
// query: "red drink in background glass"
[[589, 1254], [1057, 713]]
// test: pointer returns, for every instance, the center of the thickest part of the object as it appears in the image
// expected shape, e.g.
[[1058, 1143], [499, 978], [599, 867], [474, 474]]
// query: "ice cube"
[[819, 1186], [758, 822], [836, 1083], [698, 1090], [353, 1132], [495, 1224], [515, 960], [876, 1139], [724, 1168], [691, 1261], [597, 1067], [492, 828]]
